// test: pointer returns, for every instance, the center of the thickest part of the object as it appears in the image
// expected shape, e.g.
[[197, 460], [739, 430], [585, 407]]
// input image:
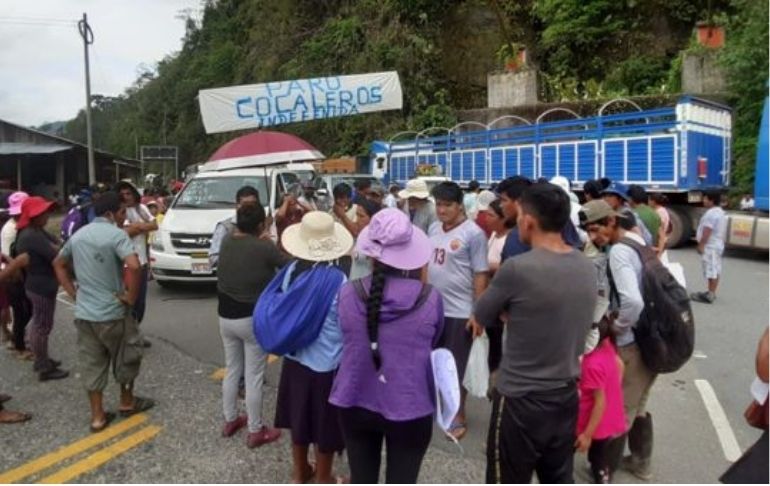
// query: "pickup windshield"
[[218, 192]]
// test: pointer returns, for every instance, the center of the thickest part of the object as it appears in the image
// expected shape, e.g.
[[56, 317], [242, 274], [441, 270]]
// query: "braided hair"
[[373, 306]]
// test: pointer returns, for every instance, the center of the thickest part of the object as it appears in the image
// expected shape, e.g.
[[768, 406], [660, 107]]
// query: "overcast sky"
[[42, 68]]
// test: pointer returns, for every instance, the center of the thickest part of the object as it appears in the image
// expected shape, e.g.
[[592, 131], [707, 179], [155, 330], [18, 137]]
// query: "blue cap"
[[618, 189]]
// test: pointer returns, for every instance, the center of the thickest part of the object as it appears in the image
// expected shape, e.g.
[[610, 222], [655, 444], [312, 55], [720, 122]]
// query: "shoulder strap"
[[645, 252], [424, 294], [360, 290], [421, 299], [614, 294]]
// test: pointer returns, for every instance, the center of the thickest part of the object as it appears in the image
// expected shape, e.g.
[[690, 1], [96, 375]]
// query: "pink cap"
[[14, 202]]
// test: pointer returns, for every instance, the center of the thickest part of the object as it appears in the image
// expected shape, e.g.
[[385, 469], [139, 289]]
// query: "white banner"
[[277, 103]]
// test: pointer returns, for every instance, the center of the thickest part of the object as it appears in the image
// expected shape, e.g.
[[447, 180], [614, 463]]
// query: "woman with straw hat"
[[390, 324], [309, 284]]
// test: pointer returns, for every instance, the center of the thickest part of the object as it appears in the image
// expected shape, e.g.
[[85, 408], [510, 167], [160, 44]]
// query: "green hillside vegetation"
[[442, 50]]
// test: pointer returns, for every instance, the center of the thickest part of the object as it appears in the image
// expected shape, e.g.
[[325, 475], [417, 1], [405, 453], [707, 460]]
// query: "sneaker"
[[264, 436], [231, 428], [703, 297], [46, 365], [53, 374]]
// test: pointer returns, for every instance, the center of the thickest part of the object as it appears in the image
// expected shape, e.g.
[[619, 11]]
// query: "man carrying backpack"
[[605, 227]]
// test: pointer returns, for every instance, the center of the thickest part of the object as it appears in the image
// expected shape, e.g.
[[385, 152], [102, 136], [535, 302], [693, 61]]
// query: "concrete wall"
[[701, 74], [512, 89]]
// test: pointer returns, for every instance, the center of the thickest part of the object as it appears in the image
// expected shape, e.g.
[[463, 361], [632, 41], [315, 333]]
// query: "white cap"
[[485, 199]]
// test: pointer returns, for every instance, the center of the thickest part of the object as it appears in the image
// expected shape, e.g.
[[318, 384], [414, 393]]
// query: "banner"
[[277, 103]]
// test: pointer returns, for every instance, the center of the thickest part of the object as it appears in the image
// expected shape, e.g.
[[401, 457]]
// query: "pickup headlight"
[[157, 242]]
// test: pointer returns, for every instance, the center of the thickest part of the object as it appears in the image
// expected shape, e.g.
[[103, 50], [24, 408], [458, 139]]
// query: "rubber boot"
[[640, 444]]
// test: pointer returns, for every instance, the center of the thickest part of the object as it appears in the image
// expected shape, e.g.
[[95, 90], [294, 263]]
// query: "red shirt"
[[293, 216]]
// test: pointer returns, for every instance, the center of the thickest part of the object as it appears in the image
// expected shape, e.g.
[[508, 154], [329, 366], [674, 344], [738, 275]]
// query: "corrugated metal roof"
[[20, 148]]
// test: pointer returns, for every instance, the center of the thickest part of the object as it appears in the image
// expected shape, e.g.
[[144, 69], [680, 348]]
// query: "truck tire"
[[681, 227]]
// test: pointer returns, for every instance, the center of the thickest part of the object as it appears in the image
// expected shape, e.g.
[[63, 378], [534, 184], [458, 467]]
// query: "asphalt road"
[[179, 440]]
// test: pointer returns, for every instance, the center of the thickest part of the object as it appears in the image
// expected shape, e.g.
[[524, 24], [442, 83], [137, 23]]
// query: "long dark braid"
[[373, 305]]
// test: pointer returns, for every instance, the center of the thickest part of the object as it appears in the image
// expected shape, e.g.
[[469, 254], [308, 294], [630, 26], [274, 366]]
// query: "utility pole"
[[88, 38]]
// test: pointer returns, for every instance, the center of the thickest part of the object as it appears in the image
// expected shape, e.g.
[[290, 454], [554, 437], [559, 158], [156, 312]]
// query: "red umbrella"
[[262, 148]]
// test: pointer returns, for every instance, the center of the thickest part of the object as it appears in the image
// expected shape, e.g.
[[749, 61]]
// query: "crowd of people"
[[356, 298]]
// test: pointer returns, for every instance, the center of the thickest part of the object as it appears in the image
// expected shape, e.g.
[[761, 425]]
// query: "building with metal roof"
[[51, 166]]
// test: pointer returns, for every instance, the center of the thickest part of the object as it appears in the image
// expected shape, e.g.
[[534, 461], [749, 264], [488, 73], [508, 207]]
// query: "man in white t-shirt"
[[139, 224], [459, 270], [711, 234]]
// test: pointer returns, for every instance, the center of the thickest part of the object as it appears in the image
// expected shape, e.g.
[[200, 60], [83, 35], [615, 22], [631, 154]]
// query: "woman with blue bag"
[[296, 316]]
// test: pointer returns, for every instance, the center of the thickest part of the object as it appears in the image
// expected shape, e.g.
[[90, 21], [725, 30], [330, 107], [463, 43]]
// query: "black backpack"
[[665, 332]]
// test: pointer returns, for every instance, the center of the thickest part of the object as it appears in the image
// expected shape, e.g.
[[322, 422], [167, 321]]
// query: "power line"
[[42, 19], [37, 21]]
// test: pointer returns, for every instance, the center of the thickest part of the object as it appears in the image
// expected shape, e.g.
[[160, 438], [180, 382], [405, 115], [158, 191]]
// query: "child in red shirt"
[[600, 416]]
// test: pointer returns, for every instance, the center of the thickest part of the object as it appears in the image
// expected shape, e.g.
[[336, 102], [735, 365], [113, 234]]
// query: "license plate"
[[201, 267]]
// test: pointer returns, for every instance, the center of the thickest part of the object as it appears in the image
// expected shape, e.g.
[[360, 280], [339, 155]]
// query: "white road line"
[[725, 433]]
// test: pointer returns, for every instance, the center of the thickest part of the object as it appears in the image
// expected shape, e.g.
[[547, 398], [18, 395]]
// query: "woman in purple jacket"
[[390, 323]]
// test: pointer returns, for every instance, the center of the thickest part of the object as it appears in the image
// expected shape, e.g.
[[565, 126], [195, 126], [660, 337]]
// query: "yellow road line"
[[82, 445], [219, 373], [101, 456]]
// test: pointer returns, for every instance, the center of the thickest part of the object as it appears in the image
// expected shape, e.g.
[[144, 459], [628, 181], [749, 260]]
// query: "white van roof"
[[247, 171]]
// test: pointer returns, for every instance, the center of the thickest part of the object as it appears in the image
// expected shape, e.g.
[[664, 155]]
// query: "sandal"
[[108, 417], [8, 417], [457, 430], [140, 405], [307, 478]]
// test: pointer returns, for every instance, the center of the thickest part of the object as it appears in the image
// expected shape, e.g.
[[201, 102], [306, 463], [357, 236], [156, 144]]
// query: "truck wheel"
[[681, 228]]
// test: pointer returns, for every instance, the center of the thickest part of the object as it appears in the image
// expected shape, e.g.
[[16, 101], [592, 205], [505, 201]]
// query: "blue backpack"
[[76, 218], [287, 321]]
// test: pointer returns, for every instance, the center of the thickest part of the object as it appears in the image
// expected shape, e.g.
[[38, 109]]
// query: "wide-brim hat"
[[317, 238], [415, 188], [127, 184], [31, 208], [15, 201], [393, 240]]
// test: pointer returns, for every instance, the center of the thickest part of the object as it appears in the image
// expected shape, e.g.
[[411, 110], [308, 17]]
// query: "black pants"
[[495, 335], [532, 433], [22, 312], [599, 460], [405, 443], [140, 306]]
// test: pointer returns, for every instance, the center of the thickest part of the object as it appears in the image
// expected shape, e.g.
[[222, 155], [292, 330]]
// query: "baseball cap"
[[618, 189], [485, 199], [15, 201], [596, 210]]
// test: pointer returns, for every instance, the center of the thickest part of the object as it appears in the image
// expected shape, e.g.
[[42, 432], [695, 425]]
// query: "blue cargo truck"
[[678, 150]]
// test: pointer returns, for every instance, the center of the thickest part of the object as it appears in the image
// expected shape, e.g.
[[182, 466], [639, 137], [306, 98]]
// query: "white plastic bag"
[[446, 385], [476, 379]]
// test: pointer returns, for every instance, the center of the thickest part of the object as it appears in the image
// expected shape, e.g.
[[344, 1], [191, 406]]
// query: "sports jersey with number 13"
[[458, 254]]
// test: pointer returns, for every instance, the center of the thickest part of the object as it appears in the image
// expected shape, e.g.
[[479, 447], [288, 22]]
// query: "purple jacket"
[[403, 388]]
